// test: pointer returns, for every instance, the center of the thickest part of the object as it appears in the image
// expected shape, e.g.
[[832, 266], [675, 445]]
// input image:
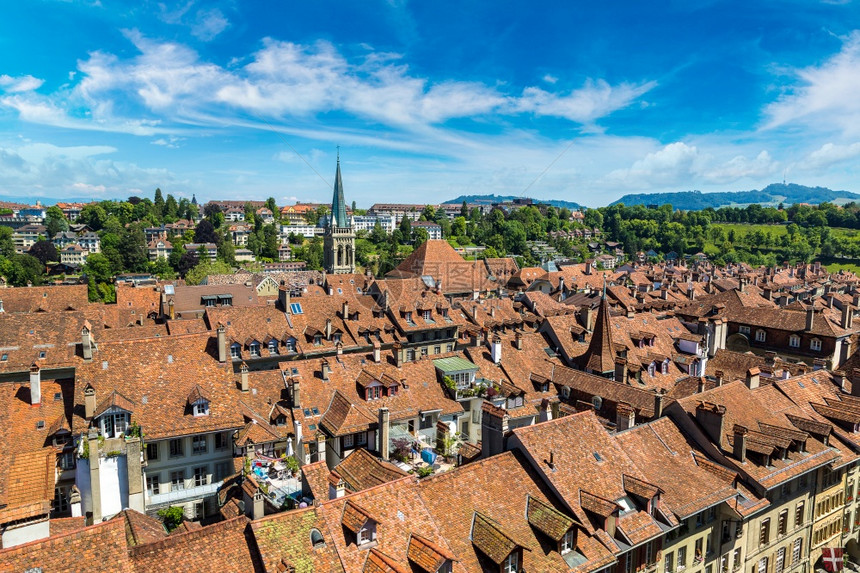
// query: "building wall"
[[799, 491], [827, 511]]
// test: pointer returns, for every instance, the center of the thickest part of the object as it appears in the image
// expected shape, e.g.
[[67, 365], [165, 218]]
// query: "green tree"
[[55, 221], [172, 517], [158, 204], [24, 270], [99, 268], [205, 268], [7, 245], [93, 216], [406, 227], [45, 251]]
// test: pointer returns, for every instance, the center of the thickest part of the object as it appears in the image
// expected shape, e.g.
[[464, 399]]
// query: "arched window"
[[317, 538]]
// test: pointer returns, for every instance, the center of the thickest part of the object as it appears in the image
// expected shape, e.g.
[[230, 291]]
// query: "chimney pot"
[[35, 385]]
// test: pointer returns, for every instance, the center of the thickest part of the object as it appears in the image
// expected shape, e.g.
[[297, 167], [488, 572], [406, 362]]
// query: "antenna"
[[783, 175]]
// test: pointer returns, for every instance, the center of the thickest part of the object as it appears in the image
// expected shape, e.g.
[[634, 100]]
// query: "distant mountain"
[[490, 199], [773, 194]]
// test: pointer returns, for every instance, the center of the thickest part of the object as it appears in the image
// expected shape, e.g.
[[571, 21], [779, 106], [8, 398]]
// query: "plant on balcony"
[[172, 517], [424, 471], [402, 447], [134, 431], [292, 464], [449, 383]]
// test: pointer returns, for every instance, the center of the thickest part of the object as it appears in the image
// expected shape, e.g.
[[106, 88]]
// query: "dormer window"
[[336, 338], [815, 345], [374, 392], [317, 339], [291, 344], [652, 370], [367, 534], [568, 541], [794, 341], [200, 408], [235, 351], [254, 349], [664, 367], [273, 347], [113, 423], [427, 315]]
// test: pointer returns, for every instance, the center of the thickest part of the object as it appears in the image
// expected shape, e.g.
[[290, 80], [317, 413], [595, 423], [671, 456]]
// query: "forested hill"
[[490, 199], [773, 194]]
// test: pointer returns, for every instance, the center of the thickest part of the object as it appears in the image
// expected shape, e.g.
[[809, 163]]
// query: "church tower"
[[339, 238]]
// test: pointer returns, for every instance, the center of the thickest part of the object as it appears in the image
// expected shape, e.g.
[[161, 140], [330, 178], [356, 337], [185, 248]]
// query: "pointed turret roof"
[[338, 205], [600, 356]]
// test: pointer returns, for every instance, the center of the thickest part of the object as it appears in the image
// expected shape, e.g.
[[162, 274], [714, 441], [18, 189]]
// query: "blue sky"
[[427, 100]]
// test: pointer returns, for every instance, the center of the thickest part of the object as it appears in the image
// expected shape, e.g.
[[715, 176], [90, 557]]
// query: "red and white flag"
[[832, 558]]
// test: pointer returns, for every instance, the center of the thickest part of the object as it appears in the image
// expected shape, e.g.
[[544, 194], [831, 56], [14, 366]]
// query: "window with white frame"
[[153, 487], [200, 408], [201, 476], [254, 349], [760, 335], [198, 445], [736, 561], [291, 344], [567, 541], [177, 480], [113, 425], [366, 534], [794, 341], [762, 565], [815, 344], [235, 351], [273, 347], [512, 563], [796, 550], [744, 329]]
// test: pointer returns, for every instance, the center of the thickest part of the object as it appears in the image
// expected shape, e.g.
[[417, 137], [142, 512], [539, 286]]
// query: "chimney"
[[171, 311], [87, 341], [377, 352], [339, 347], [35, 385], [625, 417], [658, 404], [740, 443], [336, 486], [518, 340], [847, 316], [664, 292], [621, 370], [855, 382], [297, 430], [545, 412], [284, 297], [691, 292], [711, 417], [810, 317], [95, 475], [398, 354], [222, 343], [297, 396], [701, 385], [830, 299], [496, 349], [89, 401], [494, 426], [551, 461], [325, 369], [328, 329], [384, 430], [2, 310], [588, 318], [243, 375], [752, 380], [561, 285], [345, 310]]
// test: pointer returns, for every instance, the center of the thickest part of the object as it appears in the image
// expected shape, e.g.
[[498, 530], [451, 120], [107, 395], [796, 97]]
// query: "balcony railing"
[[182, 495]]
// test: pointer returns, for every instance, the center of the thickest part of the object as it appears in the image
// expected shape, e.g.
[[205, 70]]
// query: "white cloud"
[[826, 96], [742, 167], [550, 79], [27, 83], [208, 24], [829, 154], [592, 101]]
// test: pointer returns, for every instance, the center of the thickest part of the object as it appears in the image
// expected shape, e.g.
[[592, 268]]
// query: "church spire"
[[600, 356], [338, 204]]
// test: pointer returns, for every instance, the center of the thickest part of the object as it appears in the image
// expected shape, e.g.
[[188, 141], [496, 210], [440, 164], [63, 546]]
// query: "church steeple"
[[339, 238], [338, 204], [600, 356]]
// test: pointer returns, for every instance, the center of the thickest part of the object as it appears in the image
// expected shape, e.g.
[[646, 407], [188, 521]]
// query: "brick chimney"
[[284, 297], [711, 417], [35, 385], [89, 401], [739, 449], [222, 343], [625, 417], [658, 403], [752, 380], [384, 431], [243, 376], [87, 340], [847, 317], [297, 395], [621, 370]]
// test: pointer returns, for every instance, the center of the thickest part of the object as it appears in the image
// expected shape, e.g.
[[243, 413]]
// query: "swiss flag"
[[832, 558]]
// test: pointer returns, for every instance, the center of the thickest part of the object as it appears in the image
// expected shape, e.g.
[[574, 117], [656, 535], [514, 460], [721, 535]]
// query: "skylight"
[[296, 308], [597, 456]]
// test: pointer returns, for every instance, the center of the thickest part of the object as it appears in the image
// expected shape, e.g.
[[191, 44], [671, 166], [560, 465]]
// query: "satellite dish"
[[597, 402]]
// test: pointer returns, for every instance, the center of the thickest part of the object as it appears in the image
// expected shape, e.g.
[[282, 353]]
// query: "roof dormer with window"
[[197, 402], [360, 523]]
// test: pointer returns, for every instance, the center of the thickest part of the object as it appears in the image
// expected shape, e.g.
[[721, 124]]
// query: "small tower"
[[339, 238]]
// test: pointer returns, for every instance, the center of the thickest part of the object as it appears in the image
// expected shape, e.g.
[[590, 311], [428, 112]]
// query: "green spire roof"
[[338, 205]]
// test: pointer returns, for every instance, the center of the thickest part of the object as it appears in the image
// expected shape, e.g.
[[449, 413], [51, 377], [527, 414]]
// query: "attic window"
[[40, 424], [57, 396], [4, 358], [597, 456], [317, 538]]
